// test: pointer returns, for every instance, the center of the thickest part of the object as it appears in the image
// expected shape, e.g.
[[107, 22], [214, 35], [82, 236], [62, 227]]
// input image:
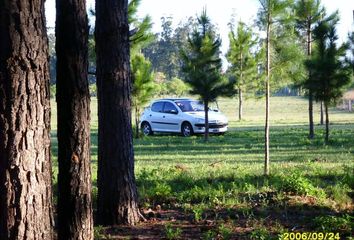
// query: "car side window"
[[169, 108], [157, 106]]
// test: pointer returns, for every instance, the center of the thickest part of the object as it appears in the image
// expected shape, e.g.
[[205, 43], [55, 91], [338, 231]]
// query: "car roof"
[[174, 99]]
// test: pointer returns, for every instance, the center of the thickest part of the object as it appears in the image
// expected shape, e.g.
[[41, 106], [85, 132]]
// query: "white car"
[[185, 116]]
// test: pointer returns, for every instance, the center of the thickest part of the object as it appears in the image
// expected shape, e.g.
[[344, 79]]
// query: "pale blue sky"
[[220, 12]]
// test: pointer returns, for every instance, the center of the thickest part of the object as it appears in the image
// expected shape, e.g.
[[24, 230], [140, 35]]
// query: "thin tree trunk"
[[117, 193], [309, 52], [25, 165], [327, 123], [137, 113], [75, 220], [206, 114], [266, 132], [240, 104], [321, 114]]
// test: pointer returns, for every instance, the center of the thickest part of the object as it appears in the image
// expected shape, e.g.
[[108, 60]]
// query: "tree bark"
[[240, 104], [309, 52], [25, 172], [327, 123], [266, 131], [137, 116], [206, 115], [321, 114], [75, 220], [117, 194]]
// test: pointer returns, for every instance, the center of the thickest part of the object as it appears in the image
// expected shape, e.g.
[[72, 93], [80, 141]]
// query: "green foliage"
[[99, 233], [343, 223], [202, 65], [53, 90], [176, 87], [260, 234], [172, 232], [164, 52], [143, 80], [299, 185], [202, 62], [330, 72], [198, 212], [225, 231], [210, 235], [141, 28], [243, 61]]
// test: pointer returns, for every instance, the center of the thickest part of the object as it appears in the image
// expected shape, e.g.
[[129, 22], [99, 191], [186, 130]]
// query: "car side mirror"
[[174, 111]]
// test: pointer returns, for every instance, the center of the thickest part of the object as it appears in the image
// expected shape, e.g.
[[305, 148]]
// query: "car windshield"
[[190, 106]]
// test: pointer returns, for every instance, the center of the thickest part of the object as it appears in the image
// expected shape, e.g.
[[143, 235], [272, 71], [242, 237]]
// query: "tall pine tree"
[[75, 220], [243, 60], [331, 73], [202, 65]]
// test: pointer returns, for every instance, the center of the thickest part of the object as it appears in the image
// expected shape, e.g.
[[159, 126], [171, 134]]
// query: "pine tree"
[[308, 13], [143, 85], [330, 72], [271, 14], [26, 210], [117, 193], [202, 65], [243, 60], [75, 217]]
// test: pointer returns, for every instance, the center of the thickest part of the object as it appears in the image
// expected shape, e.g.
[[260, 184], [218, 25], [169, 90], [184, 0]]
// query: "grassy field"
[[194, 190]]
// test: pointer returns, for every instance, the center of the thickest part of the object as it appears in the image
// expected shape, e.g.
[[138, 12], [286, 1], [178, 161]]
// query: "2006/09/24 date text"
[[310, 236]]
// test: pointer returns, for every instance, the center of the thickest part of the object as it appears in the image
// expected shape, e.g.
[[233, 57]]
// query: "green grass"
[[224, 176]]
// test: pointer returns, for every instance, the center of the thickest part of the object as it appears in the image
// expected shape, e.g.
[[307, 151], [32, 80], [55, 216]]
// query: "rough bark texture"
[[75, 219], [25, 167], [117, 194], [266, 130]]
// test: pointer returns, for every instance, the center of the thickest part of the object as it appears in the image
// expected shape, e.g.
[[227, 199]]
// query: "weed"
[[334, 223], [198, 213], [172, 232], [210, 235], [98, 232], [260, 234], [225, 231], [298, 184]]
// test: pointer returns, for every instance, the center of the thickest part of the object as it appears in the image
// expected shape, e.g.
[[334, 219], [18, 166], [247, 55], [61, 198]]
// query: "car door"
[[155, 116], [171, 117]]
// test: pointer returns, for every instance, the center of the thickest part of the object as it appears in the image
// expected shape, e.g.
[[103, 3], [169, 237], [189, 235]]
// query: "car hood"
[[213, 116]]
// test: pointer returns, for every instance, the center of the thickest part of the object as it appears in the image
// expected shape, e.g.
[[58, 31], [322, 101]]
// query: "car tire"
[[186, 129], [146, 129]]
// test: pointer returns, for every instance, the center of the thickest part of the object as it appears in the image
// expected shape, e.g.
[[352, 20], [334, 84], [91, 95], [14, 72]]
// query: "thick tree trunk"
[[321, 114], [25, 166], [327, 123], [266, 130], [240, 104], [206, 115], [75, 220], [117, 194], [309, 52]]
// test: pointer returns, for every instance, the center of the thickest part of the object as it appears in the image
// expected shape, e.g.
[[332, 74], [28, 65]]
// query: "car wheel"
[[146, 129], [186, 129]]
